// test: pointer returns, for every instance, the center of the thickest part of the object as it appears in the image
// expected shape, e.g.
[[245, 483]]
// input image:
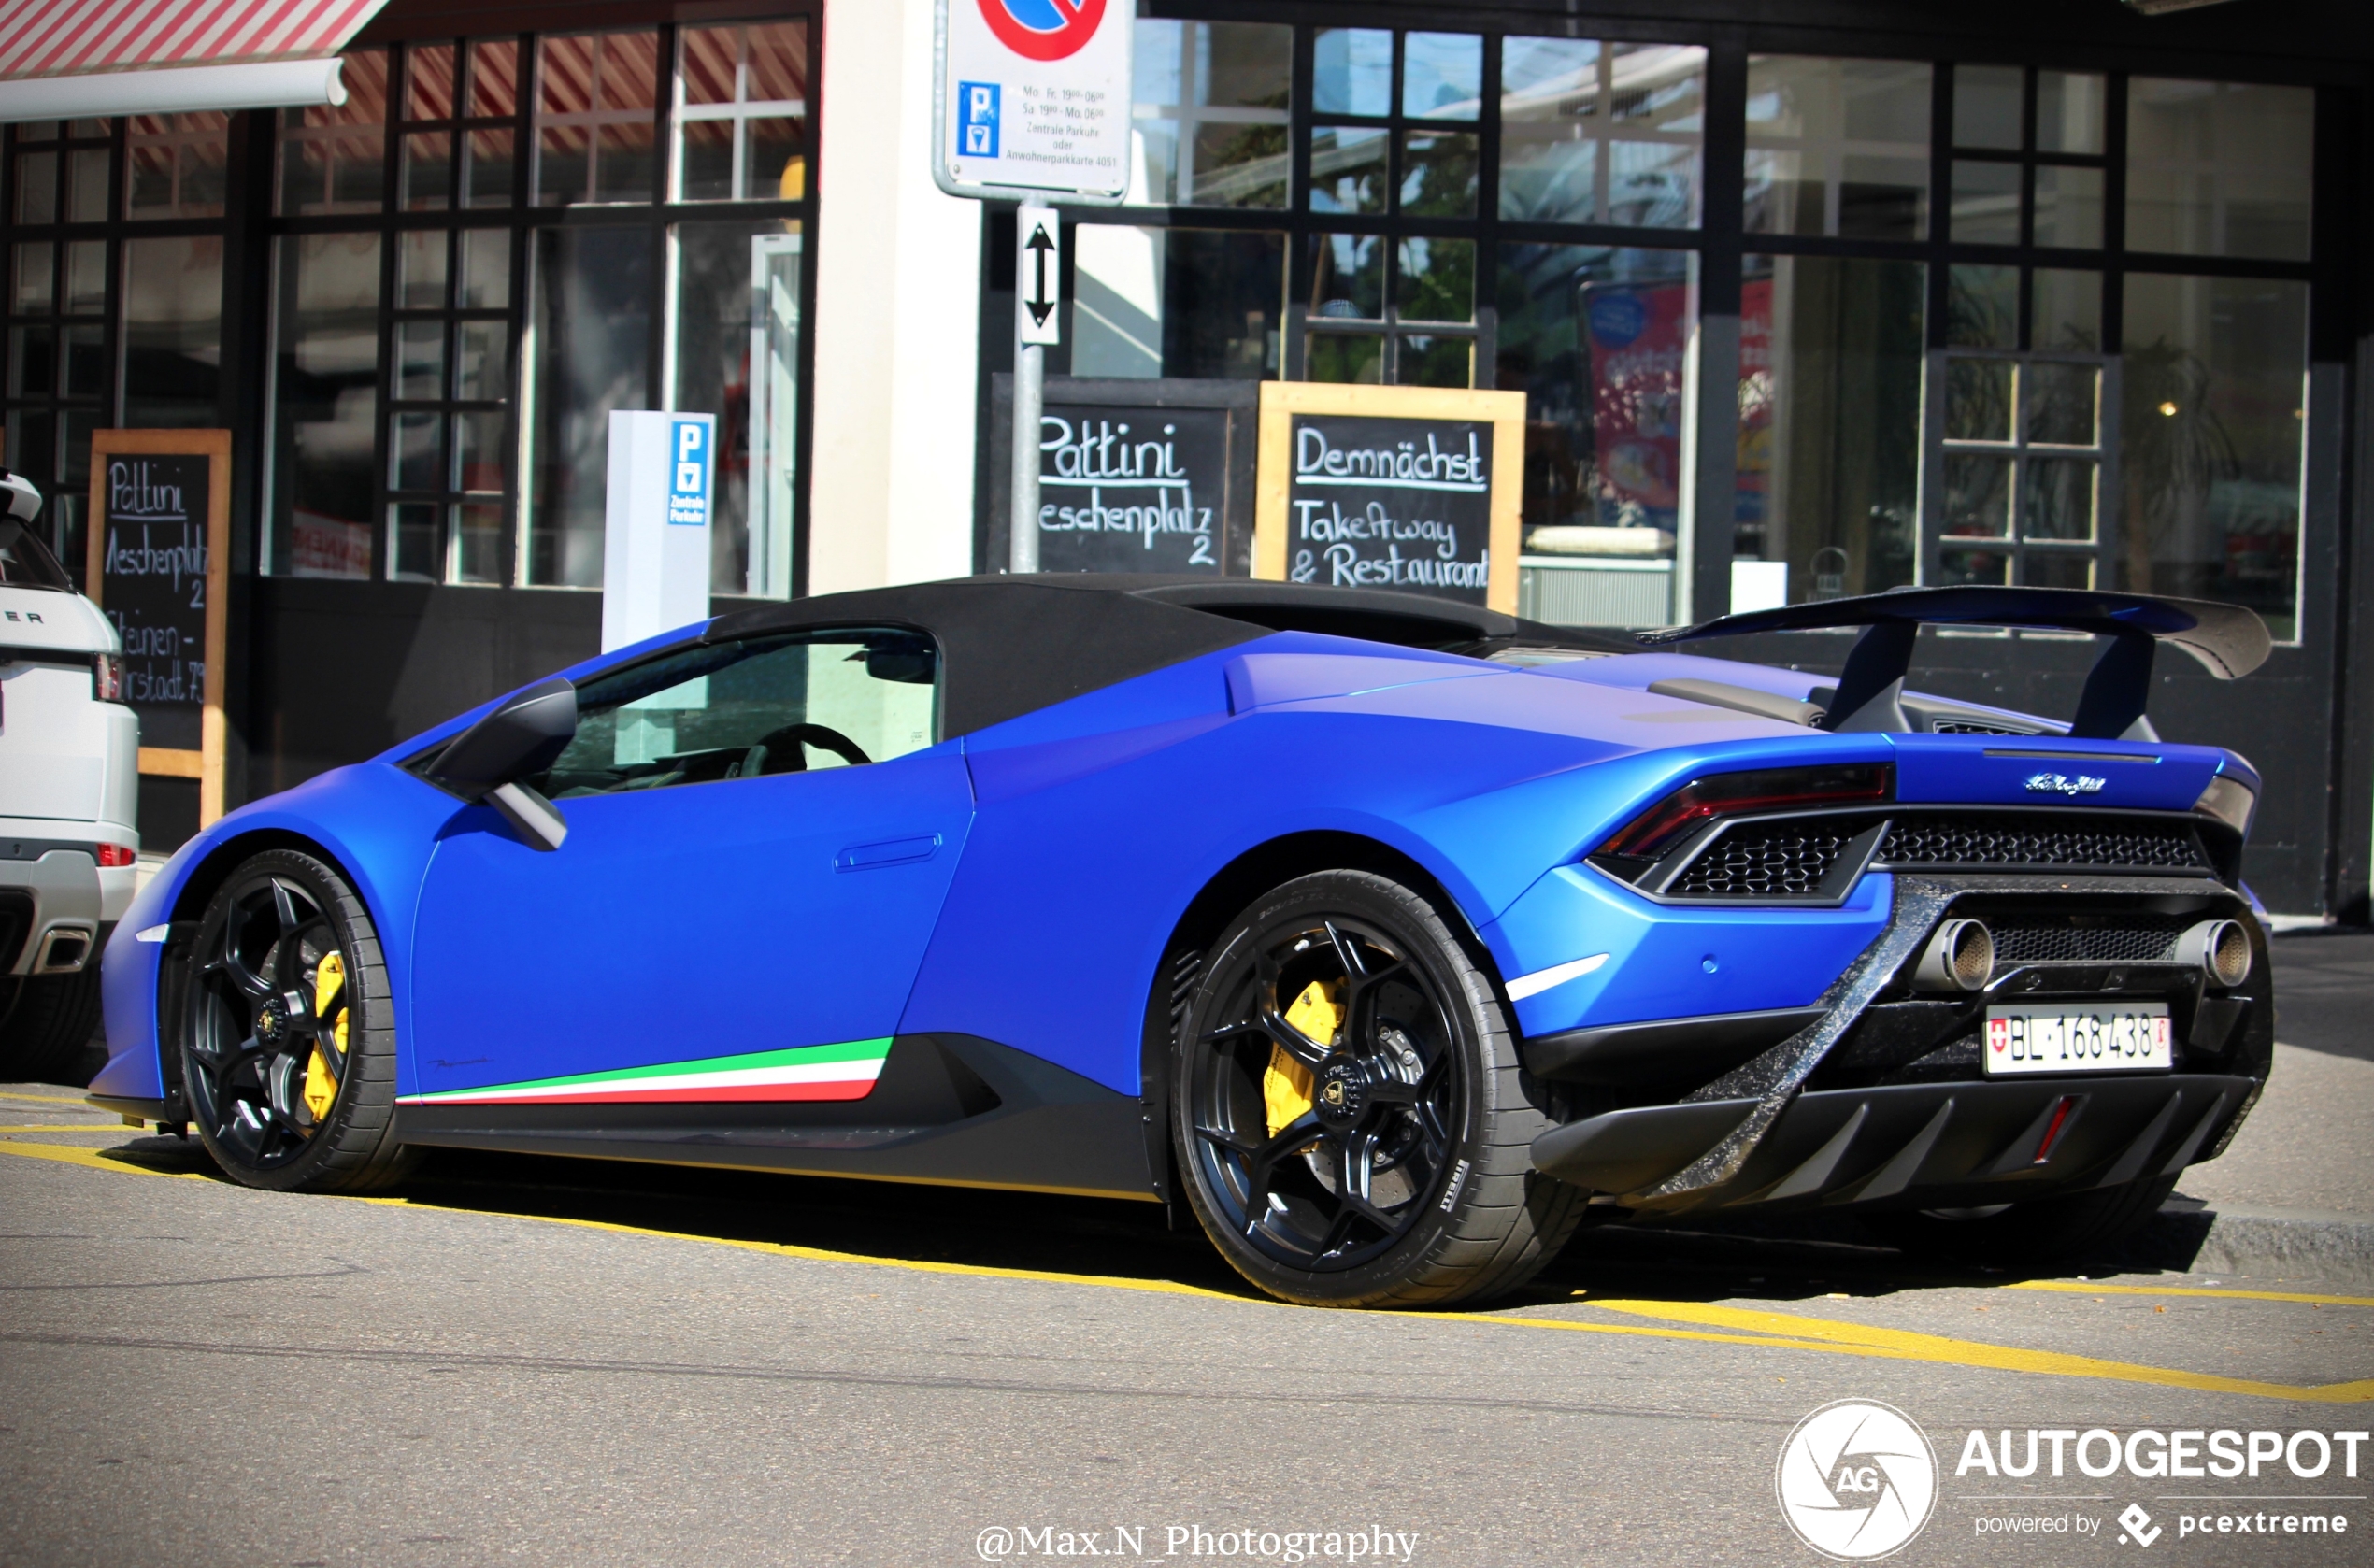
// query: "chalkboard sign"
[[1413, 489], [1149, 475], [158, 568]]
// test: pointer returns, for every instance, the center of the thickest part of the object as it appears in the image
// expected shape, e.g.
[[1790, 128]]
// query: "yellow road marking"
[[11, 1128], [1709, 1323], [95, 1160], [54, 1100], [2073, 1289], [1906, 1343]]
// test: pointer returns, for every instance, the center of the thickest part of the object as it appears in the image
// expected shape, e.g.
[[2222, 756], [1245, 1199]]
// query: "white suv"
[[69, 780]]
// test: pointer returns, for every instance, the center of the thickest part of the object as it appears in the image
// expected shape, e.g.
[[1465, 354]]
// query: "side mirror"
[[522, 737]]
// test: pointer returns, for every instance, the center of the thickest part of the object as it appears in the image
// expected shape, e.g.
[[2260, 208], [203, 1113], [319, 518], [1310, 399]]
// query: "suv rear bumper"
[[1914, 1146], [53, 891]]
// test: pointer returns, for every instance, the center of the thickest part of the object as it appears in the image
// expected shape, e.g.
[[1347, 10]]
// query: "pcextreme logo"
[[1856, 1480]]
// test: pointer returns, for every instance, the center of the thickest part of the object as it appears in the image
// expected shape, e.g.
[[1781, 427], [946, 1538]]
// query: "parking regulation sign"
[[1033, 99]]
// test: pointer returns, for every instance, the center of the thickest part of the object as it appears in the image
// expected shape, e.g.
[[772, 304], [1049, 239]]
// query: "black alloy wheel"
[[287, 1056], [1348, 1113]]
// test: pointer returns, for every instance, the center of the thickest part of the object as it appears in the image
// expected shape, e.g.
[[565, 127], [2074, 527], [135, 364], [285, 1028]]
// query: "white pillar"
[[897, 316]]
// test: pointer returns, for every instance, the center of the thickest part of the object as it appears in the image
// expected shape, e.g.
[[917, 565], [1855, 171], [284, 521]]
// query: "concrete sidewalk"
[[2293, 1197]]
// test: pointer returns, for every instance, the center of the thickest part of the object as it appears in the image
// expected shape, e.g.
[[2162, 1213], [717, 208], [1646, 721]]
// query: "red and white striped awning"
[[64, 58]]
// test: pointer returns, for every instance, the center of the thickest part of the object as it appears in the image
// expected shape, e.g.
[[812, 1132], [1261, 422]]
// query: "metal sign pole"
[[1038, 321]]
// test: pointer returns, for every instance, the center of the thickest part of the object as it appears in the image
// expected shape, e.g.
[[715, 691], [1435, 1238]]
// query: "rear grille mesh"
[[2131, 939], [1765, 860], [1793, 857], [2016, 843]]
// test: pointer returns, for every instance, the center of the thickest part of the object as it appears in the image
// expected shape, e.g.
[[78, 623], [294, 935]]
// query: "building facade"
[[1805, 301]]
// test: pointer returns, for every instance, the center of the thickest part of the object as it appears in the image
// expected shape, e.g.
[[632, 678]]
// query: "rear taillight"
[[117, 854], [106, 678], [1726, 794]]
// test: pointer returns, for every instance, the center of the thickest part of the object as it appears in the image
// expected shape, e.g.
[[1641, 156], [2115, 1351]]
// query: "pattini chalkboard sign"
[[158, 568], [1410, 489], [1152, 475]]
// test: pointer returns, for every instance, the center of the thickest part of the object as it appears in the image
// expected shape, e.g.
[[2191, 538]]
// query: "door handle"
[[892, 851]]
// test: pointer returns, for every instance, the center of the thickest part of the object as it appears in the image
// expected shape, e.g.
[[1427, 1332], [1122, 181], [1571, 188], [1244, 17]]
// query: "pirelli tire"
[[286, 1032], [1347, 1113]]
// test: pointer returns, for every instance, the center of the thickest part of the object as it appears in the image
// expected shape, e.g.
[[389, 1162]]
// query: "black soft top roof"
[[1013, 644]]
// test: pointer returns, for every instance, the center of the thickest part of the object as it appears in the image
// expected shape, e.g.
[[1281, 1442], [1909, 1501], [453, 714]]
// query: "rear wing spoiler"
[[2228, 640]]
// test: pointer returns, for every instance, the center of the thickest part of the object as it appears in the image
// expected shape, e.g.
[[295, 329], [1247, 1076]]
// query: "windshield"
[[26, 562]]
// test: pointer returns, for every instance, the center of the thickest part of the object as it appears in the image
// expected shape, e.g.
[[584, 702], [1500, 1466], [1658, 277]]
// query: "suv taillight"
[[117, 855], [106, 678], [1727, 794]]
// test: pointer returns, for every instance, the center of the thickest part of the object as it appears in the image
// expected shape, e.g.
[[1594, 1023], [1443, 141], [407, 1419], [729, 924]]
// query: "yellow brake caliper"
[[320, 1083], [1286, 1088]]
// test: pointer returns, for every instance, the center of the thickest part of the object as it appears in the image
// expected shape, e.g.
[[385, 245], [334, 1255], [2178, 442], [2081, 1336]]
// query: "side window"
[[746, 709]]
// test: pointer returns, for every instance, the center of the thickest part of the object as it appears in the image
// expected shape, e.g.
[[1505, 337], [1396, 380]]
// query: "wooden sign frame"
[[205, 765], [1505, 411]]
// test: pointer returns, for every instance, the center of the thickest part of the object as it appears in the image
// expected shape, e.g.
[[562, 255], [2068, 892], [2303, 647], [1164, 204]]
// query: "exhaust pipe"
[[1960, 957], [2220, 947]]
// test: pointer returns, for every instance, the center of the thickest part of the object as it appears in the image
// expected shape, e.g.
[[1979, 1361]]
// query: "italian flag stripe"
[[838, 1072]]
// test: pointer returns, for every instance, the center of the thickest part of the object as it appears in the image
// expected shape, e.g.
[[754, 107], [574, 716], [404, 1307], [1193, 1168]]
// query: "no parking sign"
[[1033, 99]]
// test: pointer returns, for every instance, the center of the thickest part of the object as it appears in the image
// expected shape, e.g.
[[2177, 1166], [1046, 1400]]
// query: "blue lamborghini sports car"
[[1395, 936]]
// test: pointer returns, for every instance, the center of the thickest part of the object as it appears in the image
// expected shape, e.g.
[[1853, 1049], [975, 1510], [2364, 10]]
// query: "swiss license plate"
[[2055, 1037]]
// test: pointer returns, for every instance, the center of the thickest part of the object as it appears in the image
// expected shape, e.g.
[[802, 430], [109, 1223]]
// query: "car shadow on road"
[[1801, 1259]]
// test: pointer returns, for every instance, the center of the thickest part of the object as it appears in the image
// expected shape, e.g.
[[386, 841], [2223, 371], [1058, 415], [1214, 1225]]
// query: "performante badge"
[[2062, 784]]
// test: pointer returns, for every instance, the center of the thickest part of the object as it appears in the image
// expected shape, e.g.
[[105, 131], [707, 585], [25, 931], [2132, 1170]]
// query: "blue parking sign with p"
[[688, 474], [976, 132]]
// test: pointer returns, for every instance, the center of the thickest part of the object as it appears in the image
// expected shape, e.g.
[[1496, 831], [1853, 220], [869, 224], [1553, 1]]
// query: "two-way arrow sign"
[[1038, 273]]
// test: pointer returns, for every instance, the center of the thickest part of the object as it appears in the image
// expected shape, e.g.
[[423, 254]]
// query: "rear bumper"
[[1915, 1146]]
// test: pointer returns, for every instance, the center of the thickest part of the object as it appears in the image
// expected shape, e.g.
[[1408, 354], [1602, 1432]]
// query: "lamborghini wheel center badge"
[[1343, 1094]]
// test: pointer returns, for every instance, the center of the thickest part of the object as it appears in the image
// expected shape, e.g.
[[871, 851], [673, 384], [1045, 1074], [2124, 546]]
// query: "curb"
[[2288, 1243]]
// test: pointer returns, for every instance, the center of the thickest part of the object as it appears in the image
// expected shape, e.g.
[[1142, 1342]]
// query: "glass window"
[[175, 165], [1593, 133], [1210, 125], [1441, 76], [752, 708], [172, 339], [1830, 369], [594, 117], [1838, 147], [590, 321], [1351, 71], [2219, 168], [737, 345], [332, 159], [1202, 304], [742, 112], [1368, 297], [2214, 420], [1599, 340], [325, 405]]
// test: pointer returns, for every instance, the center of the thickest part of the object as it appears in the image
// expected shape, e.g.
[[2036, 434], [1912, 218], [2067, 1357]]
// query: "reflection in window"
[[590, 321], [1838, 147], [2219, 168], [331, 157], [1351, 71], [1830, 359], [754, 708], [1593, 133], [172, 342], [1210, 125], [325, 405], [1204, 304], [737, 326], [173, 165], [1599, 341], [596, 93], [2215, 391], [742, 112]]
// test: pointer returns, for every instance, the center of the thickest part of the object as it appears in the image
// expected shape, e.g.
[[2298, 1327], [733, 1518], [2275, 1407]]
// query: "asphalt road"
[[528, 1360]]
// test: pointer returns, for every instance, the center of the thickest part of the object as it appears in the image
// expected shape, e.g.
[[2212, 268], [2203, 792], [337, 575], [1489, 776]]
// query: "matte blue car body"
[[1092, 825]]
